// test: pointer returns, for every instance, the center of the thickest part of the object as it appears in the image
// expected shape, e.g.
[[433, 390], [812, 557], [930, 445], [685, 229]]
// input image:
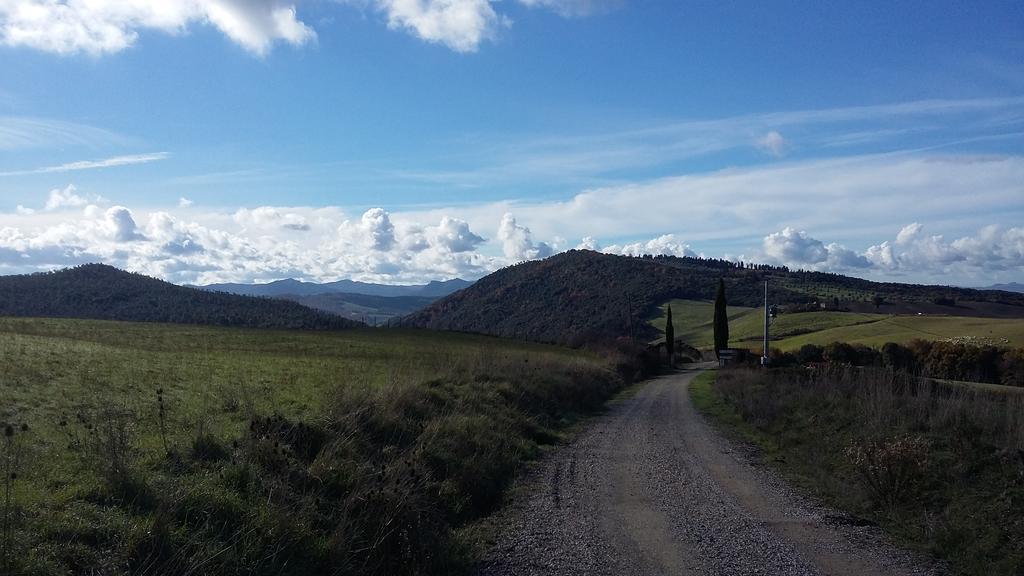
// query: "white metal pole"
[[764, 359]]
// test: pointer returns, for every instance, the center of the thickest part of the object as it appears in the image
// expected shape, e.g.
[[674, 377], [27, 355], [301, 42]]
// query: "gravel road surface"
[[650, 488]]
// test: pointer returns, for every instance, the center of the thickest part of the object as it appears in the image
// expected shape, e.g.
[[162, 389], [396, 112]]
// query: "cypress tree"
[[721, 319], [670, 336]]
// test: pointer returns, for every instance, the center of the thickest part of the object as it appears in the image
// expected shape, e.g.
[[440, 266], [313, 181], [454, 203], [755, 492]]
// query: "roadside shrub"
[[941, 467], [207, 448], [1012, 368], [106, 440], [889, 467], [810, 354], [840, 353], [782, 359]]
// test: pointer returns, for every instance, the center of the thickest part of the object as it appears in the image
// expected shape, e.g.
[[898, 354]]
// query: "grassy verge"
[[940, 468], [180, 450]]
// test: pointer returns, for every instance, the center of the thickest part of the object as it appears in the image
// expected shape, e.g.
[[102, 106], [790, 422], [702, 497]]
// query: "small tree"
[[721, 319], [670, 337]]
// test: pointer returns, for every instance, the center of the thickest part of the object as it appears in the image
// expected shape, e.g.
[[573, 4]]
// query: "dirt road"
[[651, 489]]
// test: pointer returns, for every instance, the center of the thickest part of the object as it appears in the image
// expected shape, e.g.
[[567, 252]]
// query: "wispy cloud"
[[22, 132], [111, 162], [587, 159]]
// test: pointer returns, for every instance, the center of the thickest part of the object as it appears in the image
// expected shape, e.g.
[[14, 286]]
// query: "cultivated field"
[[177, 449], [692, 322]]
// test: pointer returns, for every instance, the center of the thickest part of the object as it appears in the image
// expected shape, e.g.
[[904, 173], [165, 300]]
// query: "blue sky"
[[404, 140]]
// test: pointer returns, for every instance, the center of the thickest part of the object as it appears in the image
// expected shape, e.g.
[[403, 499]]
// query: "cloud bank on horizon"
[[191, 243]]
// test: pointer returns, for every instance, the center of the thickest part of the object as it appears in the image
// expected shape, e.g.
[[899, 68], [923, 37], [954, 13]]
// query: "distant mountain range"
[[1011, 287], [375, 304], [582, 296], [102, 292], [290, 287]]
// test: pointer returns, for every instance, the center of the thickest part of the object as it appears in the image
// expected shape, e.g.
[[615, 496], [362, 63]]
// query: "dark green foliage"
[[670, 337], [580, 296], [207, 448], [105, 293], [956, 361], [721, 321], [810, 353], [933, 359]]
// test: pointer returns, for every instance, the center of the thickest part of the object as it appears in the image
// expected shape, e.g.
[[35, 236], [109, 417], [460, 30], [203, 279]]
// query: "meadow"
[[692, 322], [182, 450]]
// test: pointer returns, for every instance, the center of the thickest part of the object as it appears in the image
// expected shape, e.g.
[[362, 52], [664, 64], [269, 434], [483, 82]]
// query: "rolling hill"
[[583, 296], [1011, 287], [102, 292]]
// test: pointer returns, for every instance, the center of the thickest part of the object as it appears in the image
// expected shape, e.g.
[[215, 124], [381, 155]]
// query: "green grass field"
[[903, 329], [218, 375], [455, 412], [692, 322]]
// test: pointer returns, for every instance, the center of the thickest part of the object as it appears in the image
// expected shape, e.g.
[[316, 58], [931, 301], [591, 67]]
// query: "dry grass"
[[941, 467]]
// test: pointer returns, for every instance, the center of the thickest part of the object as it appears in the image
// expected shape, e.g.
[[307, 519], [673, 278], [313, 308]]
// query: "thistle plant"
[[12, 439], [162, 415]]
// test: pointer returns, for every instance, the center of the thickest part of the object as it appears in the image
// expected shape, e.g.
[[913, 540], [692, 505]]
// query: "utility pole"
[[629, 316], [764, 359]]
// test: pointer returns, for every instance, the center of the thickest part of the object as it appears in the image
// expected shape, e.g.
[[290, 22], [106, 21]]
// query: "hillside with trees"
[[373, 310], [102, 292], [582, 296]]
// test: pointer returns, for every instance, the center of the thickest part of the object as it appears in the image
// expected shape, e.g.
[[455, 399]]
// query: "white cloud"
[[68, 198], [120, 225], [796, 249], [463, 25], [269, 219], [772, 143], [517, 242], [99, 27], [665, 245], [588, 243], [185, 202], [459, 24], [378, 230], [454, 235], [992, 248]]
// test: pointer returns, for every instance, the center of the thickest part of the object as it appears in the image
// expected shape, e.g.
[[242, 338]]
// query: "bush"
[[810, 353], [889, 468]]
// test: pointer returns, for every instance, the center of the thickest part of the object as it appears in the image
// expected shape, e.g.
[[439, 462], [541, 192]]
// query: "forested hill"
[[583, 296], [105, 293]]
